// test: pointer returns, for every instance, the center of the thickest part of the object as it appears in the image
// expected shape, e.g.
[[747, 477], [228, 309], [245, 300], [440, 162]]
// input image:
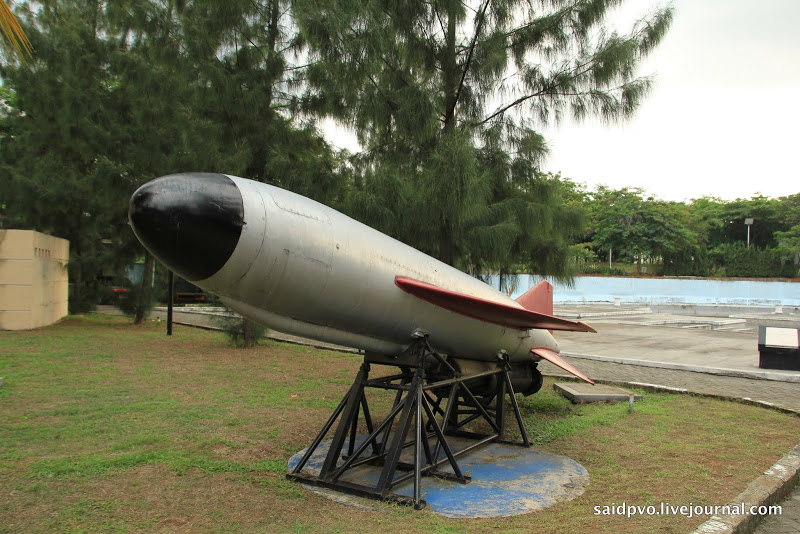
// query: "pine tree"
[[445, 97], [205, 85], [242, 58], [61, 153]]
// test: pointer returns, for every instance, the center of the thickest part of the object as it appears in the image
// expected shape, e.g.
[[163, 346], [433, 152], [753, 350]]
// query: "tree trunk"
[[450, 75], [249, 334], [445, 244], [450, 89]]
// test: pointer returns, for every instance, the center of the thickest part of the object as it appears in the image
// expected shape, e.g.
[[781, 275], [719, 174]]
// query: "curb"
[[768, 489], [757, 375], [655, 388]]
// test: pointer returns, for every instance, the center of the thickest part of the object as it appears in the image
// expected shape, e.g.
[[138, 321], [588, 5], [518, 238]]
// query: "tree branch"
[[550, 89], [471, 54]]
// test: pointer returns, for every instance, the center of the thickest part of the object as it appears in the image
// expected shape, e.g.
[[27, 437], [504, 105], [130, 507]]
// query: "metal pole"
[[748, 221], [170, 298]]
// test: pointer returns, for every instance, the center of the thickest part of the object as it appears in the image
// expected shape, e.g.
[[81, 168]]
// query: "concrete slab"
[[709, 323], [599, 311], [719, 352], [580, 392], [507, 480]]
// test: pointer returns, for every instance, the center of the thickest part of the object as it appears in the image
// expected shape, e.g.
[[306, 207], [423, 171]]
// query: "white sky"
[[722, 119]]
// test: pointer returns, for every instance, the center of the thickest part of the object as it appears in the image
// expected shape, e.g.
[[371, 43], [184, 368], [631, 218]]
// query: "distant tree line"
[[446, 99], [702, 237]]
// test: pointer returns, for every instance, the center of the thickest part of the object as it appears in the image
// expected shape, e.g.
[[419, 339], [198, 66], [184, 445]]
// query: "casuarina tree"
[[447, 99]]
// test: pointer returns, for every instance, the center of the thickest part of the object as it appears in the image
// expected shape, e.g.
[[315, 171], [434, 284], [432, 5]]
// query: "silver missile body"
[[306, 269], [303, 268]]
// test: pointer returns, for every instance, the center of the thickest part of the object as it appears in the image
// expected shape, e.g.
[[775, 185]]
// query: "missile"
[[302, 268]]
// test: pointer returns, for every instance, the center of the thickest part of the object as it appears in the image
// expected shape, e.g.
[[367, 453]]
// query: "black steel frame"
[[417, 403]]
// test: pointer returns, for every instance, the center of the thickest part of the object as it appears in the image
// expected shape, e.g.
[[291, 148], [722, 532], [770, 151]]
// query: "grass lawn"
[[106, 426]]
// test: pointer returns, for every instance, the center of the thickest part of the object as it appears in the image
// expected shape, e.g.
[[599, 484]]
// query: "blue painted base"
[[506, 480]]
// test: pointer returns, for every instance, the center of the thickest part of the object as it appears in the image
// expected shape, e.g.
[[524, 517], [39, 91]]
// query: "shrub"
[[242, 332], [685, 263], [603, 270], [743, 261]]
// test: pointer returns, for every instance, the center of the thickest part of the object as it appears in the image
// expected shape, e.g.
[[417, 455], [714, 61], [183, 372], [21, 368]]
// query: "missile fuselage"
[[462, 348], [303, 268]]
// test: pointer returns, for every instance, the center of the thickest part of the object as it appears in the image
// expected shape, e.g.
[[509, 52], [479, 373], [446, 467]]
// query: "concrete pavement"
[[786, 523], [723, 344]]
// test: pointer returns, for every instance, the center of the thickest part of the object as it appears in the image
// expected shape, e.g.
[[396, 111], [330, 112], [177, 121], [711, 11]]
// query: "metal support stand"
[[417, 419], [170, 301]]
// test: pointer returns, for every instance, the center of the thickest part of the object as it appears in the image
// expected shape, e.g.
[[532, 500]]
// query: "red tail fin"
[[539, 298]]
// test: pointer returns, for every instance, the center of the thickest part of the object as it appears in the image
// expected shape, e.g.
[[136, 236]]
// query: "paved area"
[[690, 342], [784, 394], [786, 523]]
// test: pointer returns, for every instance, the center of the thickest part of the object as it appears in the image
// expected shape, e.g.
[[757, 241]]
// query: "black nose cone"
[[191, 222]]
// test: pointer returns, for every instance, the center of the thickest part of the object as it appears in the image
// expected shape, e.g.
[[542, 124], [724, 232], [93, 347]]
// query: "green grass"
[[549, 416], [106, 426]]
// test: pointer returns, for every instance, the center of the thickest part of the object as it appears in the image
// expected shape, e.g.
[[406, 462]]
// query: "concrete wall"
[[667, 290], [33, 279]]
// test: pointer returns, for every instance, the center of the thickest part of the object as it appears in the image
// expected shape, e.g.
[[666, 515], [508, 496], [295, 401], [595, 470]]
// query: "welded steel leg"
[[353, 430], [517, 414], [396, 446], [385, 439], [446, 418], [500, 407], [350, 412], [417, 452], [442, 442], [427, 427], [368, 421]]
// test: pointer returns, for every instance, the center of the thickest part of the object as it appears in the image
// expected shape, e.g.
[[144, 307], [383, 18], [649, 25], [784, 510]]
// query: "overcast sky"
[[722, 119]]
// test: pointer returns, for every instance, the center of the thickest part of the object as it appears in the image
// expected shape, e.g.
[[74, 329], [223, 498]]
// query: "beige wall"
[[33, 279]]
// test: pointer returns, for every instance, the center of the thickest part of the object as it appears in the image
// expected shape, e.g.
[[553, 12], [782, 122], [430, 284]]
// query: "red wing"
[[556, 359], [486, 310]]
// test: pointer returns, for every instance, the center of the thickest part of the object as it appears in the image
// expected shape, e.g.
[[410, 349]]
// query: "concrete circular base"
[[506, 480]]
